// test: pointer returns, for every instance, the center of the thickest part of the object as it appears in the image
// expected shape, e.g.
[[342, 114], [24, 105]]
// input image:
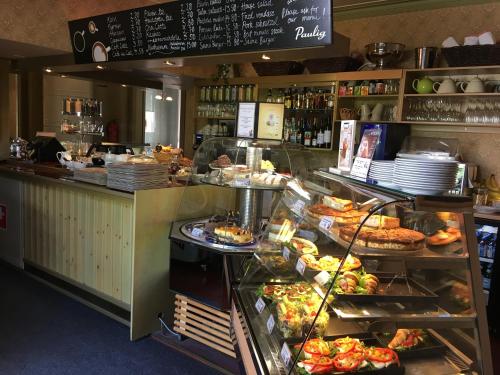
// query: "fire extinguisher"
[[112, 131]]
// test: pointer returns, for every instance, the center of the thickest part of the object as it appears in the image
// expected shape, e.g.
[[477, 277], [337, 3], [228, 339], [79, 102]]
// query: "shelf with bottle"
[[312, 129], [81, 107], [84, 128], [302, 99], [377, 88], [227, 93]]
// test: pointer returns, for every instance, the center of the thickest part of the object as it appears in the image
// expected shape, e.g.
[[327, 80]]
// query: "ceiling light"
[[158, 97], [169, 63], [169, 99], [123, 85], [48, 70], [64, 76], [100, 67], [265, 57]]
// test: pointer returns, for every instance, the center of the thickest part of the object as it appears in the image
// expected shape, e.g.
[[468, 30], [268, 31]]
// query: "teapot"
[[475, 85], [448, 86], [423, 86]]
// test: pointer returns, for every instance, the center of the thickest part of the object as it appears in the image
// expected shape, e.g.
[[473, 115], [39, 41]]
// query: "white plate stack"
[[382, 171], [427, 177]]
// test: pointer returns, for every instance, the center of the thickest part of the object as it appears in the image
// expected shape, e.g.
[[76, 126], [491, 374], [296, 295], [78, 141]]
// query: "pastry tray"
[[430, 347], [402, 290], [367, 340]]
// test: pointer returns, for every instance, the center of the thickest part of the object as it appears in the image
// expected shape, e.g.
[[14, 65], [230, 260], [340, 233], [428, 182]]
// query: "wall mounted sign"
[[245, 125], [201, 27]]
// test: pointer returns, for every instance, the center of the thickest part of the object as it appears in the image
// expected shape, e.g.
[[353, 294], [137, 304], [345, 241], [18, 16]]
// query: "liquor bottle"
[[308, 99], [307, 133], [286, 130], [293, 133], [299, 100], [288, 99], [270, 98], [280, 98], [300, 132], [320, 137], [314, 133], [328, 133], [331, 98]]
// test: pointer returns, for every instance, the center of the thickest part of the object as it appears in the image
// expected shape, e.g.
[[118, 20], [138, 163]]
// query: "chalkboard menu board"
[[202, 27]]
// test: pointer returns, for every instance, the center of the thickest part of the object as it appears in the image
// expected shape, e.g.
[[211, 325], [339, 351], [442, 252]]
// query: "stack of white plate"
[[382, 171], [428, 177]]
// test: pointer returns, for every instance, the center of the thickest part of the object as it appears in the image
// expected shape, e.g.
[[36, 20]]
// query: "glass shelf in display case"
[[351, 279]]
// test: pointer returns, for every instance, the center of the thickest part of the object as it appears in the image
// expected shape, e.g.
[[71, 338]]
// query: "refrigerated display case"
[[229, 197], [350, 277]]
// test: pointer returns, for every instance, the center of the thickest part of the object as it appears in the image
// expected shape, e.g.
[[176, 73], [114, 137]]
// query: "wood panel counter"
[[109, 249]]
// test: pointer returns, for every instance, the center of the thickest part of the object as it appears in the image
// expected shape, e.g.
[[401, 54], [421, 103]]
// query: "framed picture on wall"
[[271, 121]]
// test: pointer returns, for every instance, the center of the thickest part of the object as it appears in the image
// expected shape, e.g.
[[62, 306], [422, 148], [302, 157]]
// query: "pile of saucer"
[[425, 176], [382, 171]]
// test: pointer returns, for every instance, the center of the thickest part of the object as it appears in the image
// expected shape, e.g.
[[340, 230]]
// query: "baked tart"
[[401, 239], [340, 217]]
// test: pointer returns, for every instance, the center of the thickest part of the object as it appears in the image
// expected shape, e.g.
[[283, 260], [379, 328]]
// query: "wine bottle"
[[307, 133], [320, 138], [328, 134]]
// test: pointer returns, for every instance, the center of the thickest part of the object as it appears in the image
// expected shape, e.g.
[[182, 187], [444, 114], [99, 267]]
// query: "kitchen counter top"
[[52, 173]]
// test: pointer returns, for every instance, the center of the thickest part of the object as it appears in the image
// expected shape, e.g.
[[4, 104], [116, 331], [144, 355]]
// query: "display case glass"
[[231, 192], [350, 278]]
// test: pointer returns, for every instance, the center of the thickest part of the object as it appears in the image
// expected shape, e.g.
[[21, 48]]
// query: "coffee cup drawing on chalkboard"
[[100, 52], [79, 40], [92, 27]]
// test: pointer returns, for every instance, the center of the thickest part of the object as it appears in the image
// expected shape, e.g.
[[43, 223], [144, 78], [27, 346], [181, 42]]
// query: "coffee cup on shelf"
[[449, 42], [486, 38], [471, 40]]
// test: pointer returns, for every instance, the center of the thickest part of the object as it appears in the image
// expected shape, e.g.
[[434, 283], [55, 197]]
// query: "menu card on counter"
[[365, 153], [346, 145], [201, 27], [246, 120]]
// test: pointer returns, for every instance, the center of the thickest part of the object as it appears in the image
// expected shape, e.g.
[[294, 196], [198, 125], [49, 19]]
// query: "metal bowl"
[[383, 54]]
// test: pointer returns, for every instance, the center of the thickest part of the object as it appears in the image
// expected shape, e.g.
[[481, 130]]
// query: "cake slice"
[[381, 222], [337, 203]]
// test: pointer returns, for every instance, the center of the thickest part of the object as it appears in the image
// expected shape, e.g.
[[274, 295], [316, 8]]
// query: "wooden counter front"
[[112, 245]]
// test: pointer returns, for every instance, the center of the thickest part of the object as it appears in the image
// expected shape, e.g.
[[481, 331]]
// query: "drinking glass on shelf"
[[480, 197]]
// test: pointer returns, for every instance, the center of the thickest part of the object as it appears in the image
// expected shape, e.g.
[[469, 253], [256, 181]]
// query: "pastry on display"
[[303, 246], [343, 355], [281, 230], [266, 179], [337, 203], [460, 294], [381, 222], [444, 237], [351, 282], [405, 339], [401, 239], [266, 165], [222, 161], [233, 234], [319, 210], [329, 263]]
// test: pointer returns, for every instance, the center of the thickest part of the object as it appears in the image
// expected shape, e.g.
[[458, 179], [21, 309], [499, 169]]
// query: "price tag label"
[[197, 232], [270, 324], [326, 223], [361, 167], [286, 253], [242, 182], [260, 305], [298, 206], [322, 278], [301, 266], [286, 355]]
